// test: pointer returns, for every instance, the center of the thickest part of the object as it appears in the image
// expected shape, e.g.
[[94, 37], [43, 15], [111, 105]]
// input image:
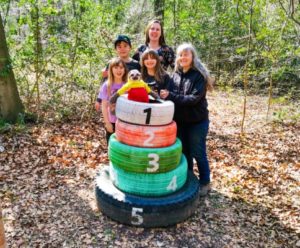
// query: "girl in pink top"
[[117, 76]]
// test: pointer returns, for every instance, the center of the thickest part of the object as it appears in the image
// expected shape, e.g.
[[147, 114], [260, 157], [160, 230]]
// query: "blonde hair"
[[196, 64], [159, 71], [113, 63]]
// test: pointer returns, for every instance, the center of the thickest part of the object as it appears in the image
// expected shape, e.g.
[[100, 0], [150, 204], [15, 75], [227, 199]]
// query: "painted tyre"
[[144, 160], [146, 211], [147, 184], [146, 136], [141, 113]]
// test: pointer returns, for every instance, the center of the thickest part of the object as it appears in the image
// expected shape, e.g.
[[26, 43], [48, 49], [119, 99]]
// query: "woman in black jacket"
[[191, 114]]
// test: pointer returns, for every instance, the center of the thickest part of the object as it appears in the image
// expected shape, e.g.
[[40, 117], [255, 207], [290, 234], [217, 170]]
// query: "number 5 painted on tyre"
[[136, 218]]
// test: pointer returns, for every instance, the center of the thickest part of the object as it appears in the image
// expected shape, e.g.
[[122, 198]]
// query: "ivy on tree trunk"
[[10, 102]]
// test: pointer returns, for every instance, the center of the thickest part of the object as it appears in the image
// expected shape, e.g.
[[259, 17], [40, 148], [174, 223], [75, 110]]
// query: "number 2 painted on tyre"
[[148, 111], [147, 142], [154, 163]]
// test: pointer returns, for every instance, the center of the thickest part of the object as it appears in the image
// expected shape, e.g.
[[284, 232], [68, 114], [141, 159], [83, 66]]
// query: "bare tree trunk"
[[2, 234], [10, 102], [35, 18], [270, 95], [6, 14], [38, 52], [246, 79], [159, 9], [174, 21]]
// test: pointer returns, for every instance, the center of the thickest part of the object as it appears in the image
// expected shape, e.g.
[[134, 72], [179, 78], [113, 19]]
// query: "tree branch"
[[290, 13]]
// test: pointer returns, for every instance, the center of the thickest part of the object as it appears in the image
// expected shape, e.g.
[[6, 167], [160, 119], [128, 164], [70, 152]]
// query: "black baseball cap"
[[124, 38]]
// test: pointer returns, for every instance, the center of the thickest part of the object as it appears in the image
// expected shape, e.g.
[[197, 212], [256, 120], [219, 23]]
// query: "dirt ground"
[[48, 171]]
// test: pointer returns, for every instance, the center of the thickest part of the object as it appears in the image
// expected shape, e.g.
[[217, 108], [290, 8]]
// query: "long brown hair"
[[111, 79], [162, 36], [159, 71]]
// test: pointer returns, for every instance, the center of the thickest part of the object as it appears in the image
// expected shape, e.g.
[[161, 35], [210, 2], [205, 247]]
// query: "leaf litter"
[[47, 185]]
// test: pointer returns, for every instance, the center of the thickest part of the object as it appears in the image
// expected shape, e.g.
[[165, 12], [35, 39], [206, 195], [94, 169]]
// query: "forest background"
[[50, 158], [58, 48]]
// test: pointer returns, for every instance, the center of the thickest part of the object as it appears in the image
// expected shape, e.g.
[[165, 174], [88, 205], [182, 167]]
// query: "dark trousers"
[[193, 138], [107, 135]]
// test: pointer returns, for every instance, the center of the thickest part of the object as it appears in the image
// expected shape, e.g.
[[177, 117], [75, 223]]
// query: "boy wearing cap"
[[123, 47]]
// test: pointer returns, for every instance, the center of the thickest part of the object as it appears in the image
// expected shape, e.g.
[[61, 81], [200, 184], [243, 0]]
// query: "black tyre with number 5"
[[146, 211]]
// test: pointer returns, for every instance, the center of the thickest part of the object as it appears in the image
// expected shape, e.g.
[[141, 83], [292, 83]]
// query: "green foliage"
[[76, 41], [4, 126], [19, 126], [6, 69]]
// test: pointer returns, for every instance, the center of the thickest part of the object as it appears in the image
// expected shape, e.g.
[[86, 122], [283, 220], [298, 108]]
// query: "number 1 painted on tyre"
[[148, 111]]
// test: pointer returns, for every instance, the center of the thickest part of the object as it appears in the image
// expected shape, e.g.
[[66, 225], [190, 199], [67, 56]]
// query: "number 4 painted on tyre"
[[173, 184]]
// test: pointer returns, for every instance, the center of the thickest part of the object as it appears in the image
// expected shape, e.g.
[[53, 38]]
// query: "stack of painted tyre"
[[147, 183]]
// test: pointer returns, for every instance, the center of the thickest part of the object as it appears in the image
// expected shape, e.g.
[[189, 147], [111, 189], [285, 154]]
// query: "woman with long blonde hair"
[[117, 77]]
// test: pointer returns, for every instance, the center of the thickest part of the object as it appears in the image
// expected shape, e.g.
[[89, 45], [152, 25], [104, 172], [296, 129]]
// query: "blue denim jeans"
[[193, 138]]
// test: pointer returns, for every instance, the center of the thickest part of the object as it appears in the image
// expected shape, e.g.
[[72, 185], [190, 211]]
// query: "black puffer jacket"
[[189, 96]]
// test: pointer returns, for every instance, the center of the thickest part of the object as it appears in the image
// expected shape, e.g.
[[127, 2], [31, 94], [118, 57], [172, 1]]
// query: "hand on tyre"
[[164, 94]]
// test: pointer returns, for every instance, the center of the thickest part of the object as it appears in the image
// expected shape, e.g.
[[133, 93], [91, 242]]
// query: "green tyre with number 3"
[[144, 160], [147, 184]]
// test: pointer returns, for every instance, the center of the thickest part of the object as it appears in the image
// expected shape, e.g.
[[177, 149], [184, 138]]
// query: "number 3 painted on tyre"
[[154, 163]]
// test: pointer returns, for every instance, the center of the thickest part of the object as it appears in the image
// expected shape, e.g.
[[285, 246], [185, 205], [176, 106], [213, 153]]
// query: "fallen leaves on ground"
[[48, 171]]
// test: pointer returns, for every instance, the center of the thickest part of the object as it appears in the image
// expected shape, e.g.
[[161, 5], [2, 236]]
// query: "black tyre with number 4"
[[146, 211]]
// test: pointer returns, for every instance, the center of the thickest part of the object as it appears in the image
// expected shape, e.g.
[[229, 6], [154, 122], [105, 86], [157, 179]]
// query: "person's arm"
[[197, 93], [98, 101], [113, 98], [121, 91], [98, 105], [168, 83], [108, 126], [154, 95]]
